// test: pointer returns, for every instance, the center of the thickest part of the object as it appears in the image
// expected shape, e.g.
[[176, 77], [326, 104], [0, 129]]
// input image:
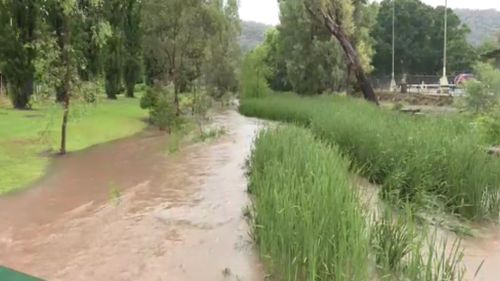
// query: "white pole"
[[393, 80], [444, 80]]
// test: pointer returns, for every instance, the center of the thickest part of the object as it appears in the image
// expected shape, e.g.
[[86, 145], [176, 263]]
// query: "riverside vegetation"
[[432, 163], [309, 222]]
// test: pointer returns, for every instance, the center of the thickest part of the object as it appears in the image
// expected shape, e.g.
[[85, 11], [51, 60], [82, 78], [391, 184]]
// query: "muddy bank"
[[126, 211]]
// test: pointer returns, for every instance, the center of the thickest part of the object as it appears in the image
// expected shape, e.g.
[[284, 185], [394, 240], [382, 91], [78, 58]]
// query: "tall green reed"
[[309, 224], [427, 161]]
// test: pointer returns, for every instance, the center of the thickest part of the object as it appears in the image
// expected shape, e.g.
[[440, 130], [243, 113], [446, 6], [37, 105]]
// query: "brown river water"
[[176, 217]]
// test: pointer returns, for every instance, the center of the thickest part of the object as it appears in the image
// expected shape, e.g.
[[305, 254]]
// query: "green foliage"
[[162, 110], [115, 195], [17, 48], [489, 126], [254, 74], [483, 94], [175, 34], [391, 240], [113, 67], [309, 225], [222, 51], [201, 105], [302, 54], [149, 99], [133, 50], [425, 161], [304, 228], [419, 40]]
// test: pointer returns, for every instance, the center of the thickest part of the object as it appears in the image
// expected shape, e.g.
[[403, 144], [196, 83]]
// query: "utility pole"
[[393, 80], [444, 80]]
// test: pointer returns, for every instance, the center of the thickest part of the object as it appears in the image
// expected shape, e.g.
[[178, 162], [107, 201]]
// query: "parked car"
[[462, 78]]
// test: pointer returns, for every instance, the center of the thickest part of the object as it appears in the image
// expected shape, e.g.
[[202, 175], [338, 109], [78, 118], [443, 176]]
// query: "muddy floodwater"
[[482, 255], [127, 211]]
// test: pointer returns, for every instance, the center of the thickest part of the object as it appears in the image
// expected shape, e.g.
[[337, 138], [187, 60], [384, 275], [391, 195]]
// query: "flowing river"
[[128, 211]]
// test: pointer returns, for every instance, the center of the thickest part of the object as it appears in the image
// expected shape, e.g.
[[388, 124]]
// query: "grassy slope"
[[24, 135]]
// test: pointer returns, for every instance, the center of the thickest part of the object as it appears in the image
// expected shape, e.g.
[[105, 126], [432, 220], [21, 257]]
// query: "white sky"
[[267, 11]]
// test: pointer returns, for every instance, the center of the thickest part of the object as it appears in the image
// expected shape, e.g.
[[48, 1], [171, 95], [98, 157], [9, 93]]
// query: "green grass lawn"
[[25, 135]]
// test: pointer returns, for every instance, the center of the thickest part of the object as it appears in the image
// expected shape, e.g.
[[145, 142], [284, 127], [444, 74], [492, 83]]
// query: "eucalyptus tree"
[[312, 59], [132, 45], [419, 39], [222, 49], [174, 41], [18, 21], [337, 17], [65, 17], [114, 51]]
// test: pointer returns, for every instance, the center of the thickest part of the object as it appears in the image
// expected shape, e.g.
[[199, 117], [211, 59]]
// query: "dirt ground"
[[127, 211]]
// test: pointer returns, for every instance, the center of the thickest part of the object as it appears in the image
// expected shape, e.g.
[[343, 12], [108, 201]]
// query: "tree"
[[65, 16], [174, 41], [18, 20], [419, 39], [89, 41], [132, 34], [277, 61], [254, 74], [304, 49], [113, 65], [337, 18], [222, 51]]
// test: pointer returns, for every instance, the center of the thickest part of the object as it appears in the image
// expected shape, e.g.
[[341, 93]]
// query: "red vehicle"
[[462, 78]]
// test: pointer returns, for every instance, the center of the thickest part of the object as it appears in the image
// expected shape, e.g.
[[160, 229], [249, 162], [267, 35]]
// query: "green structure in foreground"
[[12, 275]]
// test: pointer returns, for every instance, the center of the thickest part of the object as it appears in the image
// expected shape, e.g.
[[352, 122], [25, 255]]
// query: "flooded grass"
[[309, 223], [23, 139], [434, 163]]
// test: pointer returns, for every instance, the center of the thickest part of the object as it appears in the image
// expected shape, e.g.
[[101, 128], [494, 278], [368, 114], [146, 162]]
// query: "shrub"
[[483, 95], [163, 113], [254, 74], [162, 110], [149, 99]]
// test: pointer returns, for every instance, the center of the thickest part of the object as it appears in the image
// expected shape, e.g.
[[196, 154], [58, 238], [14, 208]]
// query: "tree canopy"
[[419, 39]]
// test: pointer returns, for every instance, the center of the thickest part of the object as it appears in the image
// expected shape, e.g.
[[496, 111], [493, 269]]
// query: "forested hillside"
[[483, 23], [252, 34]]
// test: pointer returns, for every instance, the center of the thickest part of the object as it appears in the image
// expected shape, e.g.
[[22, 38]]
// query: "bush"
[[425, 161], [163, 113], [489, 126], [162, 110], [150, 98], [483, 95], [254, 75]]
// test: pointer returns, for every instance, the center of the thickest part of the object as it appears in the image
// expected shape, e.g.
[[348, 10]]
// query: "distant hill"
[[252, 34], [484, 24]]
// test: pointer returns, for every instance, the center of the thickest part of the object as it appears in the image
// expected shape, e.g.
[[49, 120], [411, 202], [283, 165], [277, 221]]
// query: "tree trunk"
[[64, 126], [352, 55], [66, 83], [176, 100], [130, 91]]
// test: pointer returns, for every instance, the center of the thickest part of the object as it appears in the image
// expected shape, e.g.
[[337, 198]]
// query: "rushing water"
[[127, 211]]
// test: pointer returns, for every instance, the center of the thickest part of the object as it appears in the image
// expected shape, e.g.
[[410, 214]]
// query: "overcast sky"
[[267, 11]]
